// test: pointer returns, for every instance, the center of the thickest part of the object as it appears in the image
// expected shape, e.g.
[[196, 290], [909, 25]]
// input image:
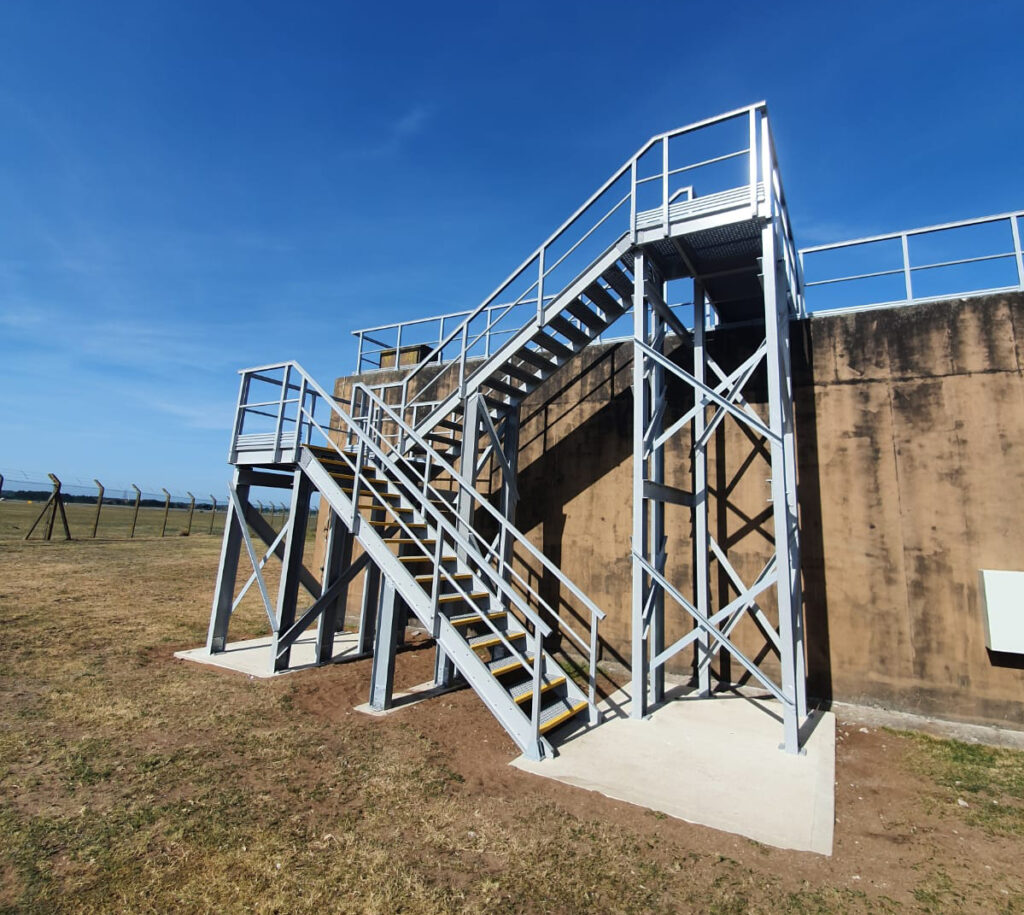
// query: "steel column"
[[780, 410], [337, 559], [227, 570], [640, 530], [383, 674], [295, 542], [700, 489]]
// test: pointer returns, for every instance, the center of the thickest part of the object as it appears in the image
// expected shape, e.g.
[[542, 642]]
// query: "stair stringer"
[[511, 346], [466, 661]]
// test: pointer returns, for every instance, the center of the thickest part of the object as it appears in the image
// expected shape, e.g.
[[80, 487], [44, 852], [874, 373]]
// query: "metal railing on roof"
[[961, 259]]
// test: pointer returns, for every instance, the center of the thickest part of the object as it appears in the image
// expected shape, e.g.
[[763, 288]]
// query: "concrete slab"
[[715, 762], [412, 696], [252, 656]]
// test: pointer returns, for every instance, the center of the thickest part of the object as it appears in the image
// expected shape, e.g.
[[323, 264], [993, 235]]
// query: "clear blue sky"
[[187, 188]]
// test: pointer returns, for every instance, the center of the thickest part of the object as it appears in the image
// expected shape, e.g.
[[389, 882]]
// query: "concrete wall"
[[910, 480]]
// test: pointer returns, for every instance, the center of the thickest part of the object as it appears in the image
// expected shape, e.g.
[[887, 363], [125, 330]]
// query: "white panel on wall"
[[1002, 598]]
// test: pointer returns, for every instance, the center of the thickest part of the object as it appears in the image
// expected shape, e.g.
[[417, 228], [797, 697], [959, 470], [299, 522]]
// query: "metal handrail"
[[537, 258], [502, 521], [368, 431]]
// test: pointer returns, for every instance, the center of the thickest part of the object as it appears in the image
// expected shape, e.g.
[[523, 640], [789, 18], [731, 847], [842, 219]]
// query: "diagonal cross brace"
[[710, 393], [731, 384], [704, 624], [763, 622], [247, 540], [285, 641], [272, 549]]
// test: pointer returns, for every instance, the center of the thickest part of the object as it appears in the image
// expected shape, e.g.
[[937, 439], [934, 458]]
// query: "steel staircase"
[[397, 461], [489, 621]]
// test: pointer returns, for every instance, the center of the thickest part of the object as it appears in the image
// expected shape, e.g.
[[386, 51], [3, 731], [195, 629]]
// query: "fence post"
[[167, 508], [213, 511], [191, 511], [135, 517], [99, 505], [53, 504]]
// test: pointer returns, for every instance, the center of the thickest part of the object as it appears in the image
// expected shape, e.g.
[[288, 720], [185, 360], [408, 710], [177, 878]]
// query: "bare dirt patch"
[[133, 781]]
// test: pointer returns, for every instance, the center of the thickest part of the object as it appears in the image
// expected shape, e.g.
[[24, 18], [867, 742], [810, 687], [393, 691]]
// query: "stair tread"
[[591, 318], [545, 363], [603, 300], [559, 712], [527, 377], [469, 618], [507, 665], [569, 330], [489, 638], [461, 576], [546, 341], [455, 598], [425, 558], [522, 692]]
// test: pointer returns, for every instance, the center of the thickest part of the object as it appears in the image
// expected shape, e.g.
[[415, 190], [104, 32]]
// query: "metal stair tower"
[[399, 464]]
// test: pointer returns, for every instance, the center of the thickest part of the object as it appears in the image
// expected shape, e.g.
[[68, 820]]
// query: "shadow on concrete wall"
[[812, 558], [569, 464]]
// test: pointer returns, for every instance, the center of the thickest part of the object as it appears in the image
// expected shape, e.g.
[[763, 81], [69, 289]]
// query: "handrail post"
[[280, 413], [632, 201], [1015, 230], [298, 414], [752, 156], [664, 184], [243, 399], [462, 362], [538, 668], [359, 352], [595, 715], [906, 267], [540, 286], [213, 512]]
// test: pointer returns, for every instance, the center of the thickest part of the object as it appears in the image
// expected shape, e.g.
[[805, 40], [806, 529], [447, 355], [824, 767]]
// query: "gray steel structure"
[[407, 468]]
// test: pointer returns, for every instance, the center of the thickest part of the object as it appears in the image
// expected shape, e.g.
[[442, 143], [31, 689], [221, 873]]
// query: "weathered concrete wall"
[[910, 476]]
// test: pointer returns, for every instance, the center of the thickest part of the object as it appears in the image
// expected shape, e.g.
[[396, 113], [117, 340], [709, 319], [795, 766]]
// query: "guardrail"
[[955, 259], [732, 155]]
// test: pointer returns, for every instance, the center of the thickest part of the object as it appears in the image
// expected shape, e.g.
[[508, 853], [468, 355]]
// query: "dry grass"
[[133, 782]]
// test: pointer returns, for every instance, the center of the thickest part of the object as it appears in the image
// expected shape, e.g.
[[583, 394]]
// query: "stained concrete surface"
[[712, 762], [252, 656]]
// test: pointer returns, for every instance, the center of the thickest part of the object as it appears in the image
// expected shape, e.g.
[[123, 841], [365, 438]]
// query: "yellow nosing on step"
[[565, 716], [452, 598], [544, 687], [469, 620]]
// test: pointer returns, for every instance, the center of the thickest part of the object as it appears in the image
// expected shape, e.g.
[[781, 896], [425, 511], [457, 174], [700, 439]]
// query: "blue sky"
[[188, 188]]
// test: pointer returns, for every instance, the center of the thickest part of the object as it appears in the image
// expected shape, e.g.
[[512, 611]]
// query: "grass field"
[[16, 519], [130, 781]]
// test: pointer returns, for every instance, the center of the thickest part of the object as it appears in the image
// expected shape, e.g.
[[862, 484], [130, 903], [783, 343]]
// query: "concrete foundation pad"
[[252, 656], [714, 762], [413, 695]]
